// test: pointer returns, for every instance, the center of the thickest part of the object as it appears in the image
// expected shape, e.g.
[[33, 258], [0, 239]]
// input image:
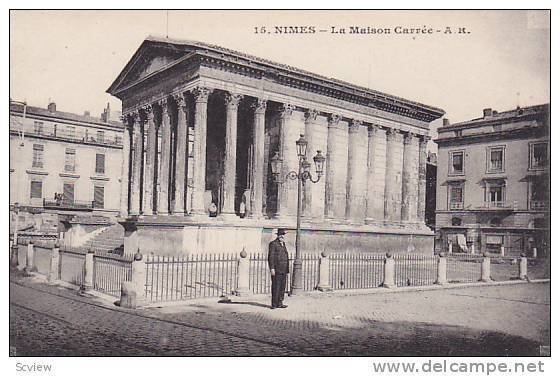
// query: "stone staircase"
[[110, 240]]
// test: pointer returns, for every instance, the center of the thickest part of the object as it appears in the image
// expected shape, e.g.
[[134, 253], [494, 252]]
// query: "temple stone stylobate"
[[202, 124]]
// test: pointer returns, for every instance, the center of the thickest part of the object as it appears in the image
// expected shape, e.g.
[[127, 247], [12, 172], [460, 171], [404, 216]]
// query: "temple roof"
[[178, 50]]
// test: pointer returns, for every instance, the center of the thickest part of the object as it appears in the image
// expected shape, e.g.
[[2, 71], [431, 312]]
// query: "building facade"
[[63, 164], [493, 186], [202, 123]]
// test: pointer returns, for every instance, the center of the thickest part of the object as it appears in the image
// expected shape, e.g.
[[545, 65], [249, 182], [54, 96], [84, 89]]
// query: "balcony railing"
[[78, 134], [67, 204], [539, 205], [455, 205], [499, 205]]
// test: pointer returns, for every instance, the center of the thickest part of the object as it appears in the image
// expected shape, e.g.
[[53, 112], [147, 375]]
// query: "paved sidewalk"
[[501, 320]]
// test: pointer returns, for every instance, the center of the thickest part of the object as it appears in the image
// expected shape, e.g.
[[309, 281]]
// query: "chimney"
[[86, 113], [445, 122], [487, 112], [494, 113], [51, 107]]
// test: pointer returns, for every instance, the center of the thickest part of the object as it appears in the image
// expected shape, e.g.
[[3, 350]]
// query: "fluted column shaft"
[[356, 177], [181, 155], [422, 156], [258, 172], [310, 119], [393, 177], [330, 165], [201, 95], [410, 179], [377, 155], [164, 173], [230, 162], [125, 170], [289, 157], [137, 166], [151, 150]]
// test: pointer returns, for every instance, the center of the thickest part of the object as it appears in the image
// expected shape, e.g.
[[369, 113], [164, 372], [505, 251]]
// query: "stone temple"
[[202, 123]]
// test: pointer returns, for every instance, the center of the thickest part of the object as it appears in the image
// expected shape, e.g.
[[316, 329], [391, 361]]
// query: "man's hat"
[[281, 231]]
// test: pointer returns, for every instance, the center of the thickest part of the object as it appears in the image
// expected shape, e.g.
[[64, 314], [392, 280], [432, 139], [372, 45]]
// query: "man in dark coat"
[[278, 264]]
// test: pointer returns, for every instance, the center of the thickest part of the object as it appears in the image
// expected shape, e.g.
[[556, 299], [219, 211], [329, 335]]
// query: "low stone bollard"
[[485, 269], [442, 269], [55, 262], [324, 270], [30, 258], [133, 291], [535, 253], [523, 267], [502, 251], [472, 248], [389, 271], [450, 248], [242, 275], [87, 283]]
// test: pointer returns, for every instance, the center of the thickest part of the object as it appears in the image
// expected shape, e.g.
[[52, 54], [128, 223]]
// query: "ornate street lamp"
[[302, 175]]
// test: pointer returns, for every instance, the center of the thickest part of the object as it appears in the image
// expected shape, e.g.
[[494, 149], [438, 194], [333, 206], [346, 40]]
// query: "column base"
[[228, 216], [324, 288]]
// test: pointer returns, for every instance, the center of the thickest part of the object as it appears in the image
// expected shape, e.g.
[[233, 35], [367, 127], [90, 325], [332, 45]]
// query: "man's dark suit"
[[278, 260]]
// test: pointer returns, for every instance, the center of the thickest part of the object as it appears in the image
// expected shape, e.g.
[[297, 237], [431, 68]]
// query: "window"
[[458, 133], [495, 159], [70, 131], [36, 190], [539, 155], [100, 136], [38, 156], [68, 193], [495, 195], [98, 197], [539, 194], [70, 160], [456, 163], [456, 197], [99, 163], [456, 221], [497, 127], [38, 127]]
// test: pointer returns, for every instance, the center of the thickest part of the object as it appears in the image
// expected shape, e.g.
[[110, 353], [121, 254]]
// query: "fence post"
[[535, 252], [450, 247], [133, 291], [30, 258], [87, 283], [389, 271], [502, 251], [485, 269], [242, 275], [55, 262], [523, 267], [14, 256], [472, 248], [324, 270], [442, 269]]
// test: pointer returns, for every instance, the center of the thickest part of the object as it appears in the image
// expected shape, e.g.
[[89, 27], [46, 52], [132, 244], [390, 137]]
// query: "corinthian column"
[[182, 154], [410, 179], [137, 165], [232, 104], [151, 150], [163, 199], [393, 177], [258, 159], [356, 177], [377, 149], [330, 165], [423, 141], [201, 95], [310, 119], [289, 157], [126, 158]]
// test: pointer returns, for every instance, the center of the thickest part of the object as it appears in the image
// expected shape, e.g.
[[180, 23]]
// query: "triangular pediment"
[[149, 58]]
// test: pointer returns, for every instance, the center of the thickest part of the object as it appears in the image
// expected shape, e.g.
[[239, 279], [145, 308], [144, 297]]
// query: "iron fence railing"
[[110, 271], [71, 265], [463, 267], [415, 269], [356, 271], [191, 276]]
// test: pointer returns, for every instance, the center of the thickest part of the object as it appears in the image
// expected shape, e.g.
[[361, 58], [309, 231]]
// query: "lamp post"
[[302, 175]]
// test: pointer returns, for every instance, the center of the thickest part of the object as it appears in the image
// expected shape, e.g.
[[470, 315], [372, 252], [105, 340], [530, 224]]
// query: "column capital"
[[163, 104], [259, 106], [287, 110], [311, 115], [408, 138], [232, 100], [355, 126], [201, 94], [147, 112], [179, 99], [373, 129], [423, 139], [392, 134], [334, 119]]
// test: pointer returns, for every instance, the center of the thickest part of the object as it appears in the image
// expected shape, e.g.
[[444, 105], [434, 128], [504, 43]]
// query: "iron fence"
[[192, 276], [356, 271], [259, 273], [71, 265], [415, 269], [42, 259], [110, 271], [504, 268], [463, 268]]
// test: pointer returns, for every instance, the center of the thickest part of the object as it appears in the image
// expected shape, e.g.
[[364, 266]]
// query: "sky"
[[501, 60]]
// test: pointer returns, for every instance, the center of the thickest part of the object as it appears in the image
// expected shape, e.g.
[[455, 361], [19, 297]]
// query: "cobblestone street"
[[502, 320]]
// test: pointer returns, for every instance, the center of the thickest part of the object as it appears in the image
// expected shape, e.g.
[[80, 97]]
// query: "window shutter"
[[100, 163], [98, 197], [36, 189], [68, 193]]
